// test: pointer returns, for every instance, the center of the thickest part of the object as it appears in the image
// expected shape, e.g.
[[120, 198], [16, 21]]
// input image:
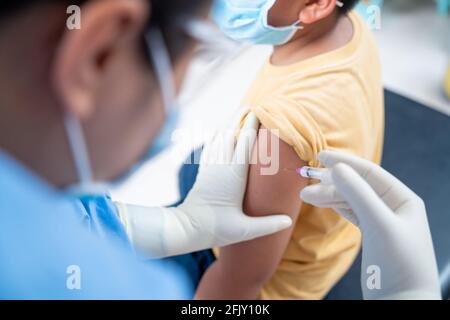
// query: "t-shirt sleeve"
[[293, 124]]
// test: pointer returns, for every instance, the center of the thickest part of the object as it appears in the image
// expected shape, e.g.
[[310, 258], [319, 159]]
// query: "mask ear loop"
[[162, 65], [80, 154], [298, 25]]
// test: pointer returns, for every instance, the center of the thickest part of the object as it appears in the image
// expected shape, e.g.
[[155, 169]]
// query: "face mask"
[[247, 21], [163, 71], [163, 68]]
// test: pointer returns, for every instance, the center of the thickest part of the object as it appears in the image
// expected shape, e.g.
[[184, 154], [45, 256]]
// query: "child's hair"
[[348, 5]]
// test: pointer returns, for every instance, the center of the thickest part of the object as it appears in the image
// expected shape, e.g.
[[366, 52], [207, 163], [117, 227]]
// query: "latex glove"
[[393, 222], [212, 214]]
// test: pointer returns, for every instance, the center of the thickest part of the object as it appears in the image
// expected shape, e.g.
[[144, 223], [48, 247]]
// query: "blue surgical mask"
[[246, 21], [163, 71]]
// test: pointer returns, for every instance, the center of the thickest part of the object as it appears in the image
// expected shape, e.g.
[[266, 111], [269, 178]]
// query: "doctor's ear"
[[84, 59], [316, 10]]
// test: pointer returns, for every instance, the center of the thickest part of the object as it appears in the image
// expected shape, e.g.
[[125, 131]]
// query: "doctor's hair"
[[348, 5], [165, 14]]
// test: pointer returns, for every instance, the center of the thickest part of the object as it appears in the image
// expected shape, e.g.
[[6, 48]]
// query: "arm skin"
[[242, 270]]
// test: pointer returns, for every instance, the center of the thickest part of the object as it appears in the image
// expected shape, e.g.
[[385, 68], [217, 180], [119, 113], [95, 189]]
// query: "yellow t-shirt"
[[332, 101]]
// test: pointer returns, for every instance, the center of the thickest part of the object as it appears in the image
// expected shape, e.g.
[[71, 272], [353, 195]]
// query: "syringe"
[[323, 175]]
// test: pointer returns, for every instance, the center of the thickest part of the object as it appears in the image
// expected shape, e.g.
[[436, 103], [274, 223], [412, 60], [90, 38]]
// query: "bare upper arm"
[[274, 193], [256, 260]]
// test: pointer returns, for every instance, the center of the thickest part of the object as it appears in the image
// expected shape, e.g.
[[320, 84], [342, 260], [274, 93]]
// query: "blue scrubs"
[[51, 247]]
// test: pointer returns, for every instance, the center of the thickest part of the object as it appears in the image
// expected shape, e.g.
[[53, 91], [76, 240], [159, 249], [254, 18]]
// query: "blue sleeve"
[[47, 258]]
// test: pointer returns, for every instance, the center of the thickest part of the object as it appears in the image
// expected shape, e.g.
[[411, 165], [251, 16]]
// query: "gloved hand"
[[212, 213], [393, 221]]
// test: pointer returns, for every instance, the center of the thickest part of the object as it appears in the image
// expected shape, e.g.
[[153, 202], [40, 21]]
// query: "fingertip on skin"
[[285, 222], [271, 224], [280, 222]]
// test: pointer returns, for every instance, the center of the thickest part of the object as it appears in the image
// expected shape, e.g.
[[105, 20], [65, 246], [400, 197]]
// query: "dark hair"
[[164, 13], [164, 7], [348, 5]]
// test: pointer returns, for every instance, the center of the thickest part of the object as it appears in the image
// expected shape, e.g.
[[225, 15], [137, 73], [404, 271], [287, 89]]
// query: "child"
[[321, 89]]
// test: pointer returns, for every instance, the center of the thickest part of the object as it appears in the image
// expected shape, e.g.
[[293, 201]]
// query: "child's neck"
[[327, 35]]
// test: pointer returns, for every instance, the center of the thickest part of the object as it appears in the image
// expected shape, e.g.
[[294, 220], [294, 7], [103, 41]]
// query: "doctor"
[[393, 222], [83, 107]]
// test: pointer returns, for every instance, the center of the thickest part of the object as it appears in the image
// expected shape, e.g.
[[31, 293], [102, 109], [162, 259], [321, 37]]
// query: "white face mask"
[[163, 70]]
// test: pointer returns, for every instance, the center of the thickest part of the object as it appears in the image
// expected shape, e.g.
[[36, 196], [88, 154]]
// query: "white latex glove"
[[393, 222], [212, 214]]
